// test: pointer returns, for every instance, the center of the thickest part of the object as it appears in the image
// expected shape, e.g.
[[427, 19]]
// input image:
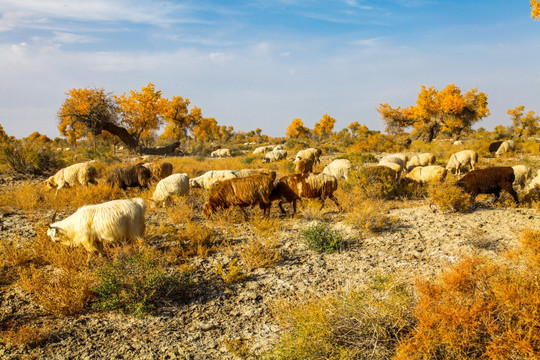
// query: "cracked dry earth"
[[421, 243]]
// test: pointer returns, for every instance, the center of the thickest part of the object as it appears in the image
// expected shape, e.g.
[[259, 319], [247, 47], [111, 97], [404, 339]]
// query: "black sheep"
[[489, 181], [494, 146], [130, 176]]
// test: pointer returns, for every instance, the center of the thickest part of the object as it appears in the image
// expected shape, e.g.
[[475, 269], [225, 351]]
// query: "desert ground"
[[220, 320]]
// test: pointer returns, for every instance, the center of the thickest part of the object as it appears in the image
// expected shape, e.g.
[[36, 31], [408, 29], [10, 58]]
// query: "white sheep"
[[82, 173], [427, 174], [395, 163], [175, 184], [310, 153], [209, 178], [340, 168], [221, 153], [423, 159], [522, 173], [275, 155], [460, 160], [262, 149], [506, 146], [457, 143], [278, 147], [404, 158], [534, 185], [93, 225]]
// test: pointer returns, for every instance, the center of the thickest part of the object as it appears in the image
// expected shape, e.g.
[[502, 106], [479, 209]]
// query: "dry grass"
[[234, 272], [449, 198], [25, 335], [368, 214], [260, 253]]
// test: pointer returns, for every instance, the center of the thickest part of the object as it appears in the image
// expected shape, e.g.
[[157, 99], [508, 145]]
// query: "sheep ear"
[[53, 218]]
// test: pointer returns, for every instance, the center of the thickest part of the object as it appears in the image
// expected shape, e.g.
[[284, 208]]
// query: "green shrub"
[[322, 239], [247, 160], [135, 283]]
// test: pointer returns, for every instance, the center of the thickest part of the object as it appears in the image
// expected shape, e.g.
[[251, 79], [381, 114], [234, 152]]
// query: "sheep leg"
[[335, 200], [496, 196], [512, 192], [244, 212]]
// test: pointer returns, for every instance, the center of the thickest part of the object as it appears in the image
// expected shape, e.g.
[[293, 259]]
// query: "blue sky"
[[259, 64]]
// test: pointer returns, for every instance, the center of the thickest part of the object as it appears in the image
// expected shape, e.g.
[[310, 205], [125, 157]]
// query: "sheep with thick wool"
[[533, 187], [460, 160], [275, 155], [506, 146], [130, 176], [82, 173], [263, 149], [494, 146], [212, 177], [427, 174], [395, 162], [92, 226], [340, 168], [241, 192], [175, 184], [159, 170], [424, 159], [522, 174], [219, 153], [489, 181], [309, 153], [294, 187]]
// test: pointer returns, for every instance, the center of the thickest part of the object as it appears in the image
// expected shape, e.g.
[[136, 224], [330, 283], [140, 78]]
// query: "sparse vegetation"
[[323, 239]]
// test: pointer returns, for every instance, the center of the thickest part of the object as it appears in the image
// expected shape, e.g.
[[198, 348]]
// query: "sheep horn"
[[54, 217]]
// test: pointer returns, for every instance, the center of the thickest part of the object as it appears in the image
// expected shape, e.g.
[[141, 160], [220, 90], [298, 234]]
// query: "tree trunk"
[[134, 145]]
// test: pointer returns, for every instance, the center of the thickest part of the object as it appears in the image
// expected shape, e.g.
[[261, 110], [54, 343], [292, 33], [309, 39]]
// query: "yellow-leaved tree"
[[140, 112], [447, 111], [535, 9], [324, 127], [206, 129], [179, 119], [523, 124], [296, 129]]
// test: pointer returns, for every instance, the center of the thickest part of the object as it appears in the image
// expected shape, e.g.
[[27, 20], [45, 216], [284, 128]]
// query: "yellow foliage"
[[324, 127], [535, 9], [296, 129]]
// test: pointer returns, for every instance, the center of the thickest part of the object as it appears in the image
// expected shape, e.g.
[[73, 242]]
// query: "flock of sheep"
[[92, 225]]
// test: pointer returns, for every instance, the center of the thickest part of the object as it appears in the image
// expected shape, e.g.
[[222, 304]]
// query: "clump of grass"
[[364, 323], [238, 346], [323, 239], [135, 283], [480, 308], [369, 215], [197, 239], [449, 198], [234, 272], [260, 253], [25, 335]]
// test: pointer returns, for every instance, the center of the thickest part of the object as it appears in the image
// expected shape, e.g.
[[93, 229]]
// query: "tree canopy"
[[447, 111], [535, 9], [523, 124]]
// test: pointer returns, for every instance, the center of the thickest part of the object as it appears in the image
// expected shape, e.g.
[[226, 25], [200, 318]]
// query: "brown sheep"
[[130, 176], [304, 166], [246, 191], [489, 181], [293, 187], [159, 170], [494, 146]]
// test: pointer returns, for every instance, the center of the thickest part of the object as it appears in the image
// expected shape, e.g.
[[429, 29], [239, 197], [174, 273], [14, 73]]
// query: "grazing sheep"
[[424, 159], [278, 147], [506, 146], [489, 181], [340, 168], [130, 176], [242, 192], [303, 166], [293, 187], [522, 173], [427, 174], [275, 155], [159, 170], [93, 225], [262, 149], [175, 184], [210, 178], [494, 146], [404, 158], [395, 163], [82, 173], [457, 143], [310, 153], [460, 160], [221, 153]]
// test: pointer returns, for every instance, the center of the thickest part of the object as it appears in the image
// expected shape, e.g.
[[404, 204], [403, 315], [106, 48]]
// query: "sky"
[[262, 63]]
